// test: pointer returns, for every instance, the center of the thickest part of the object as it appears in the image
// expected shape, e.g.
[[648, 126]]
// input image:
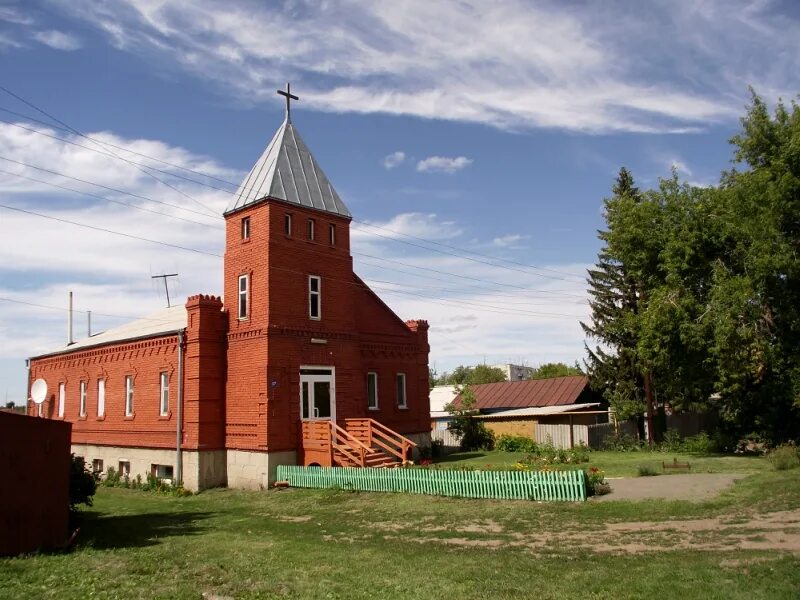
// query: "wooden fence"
[[589, 435], [565, 486], [450, 441]]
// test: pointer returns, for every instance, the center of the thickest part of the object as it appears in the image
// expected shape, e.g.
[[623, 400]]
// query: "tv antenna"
[[166, 287]]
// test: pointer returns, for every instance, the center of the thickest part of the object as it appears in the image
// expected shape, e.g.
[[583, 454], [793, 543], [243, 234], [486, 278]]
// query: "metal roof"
[[288, 171], [557, 391], [539, 411], [167, 320]]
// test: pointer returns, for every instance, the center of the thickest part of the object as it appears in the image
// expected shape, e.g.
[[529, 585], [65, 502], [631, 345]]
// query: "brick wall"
[[144, 360], [266, 350]]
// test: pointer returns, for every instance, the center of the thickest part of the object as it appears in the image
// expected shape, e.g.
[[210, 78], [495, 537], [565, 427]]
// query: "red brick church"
[[299, 362]]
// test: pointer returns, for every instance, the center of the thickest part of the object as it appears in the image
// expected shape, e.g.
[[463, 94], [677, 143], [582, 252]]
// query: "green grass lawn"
[[337, 544], [621, 464]]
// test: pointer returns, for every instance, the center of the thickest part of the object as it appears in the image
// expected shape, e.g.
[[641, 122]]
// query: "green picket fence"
[[565, 486]]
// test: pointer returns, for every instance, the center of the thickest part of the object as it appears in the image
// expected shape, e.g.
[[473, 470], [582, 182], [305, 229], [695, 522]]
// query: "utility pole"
[[166, 287]]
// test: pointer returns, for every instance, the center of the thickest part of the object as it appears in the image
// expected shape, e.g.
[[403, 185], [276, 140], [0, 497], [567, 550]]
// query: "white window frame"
[[243, 293], [398, 378], [164, 396], [129, 395], [82, 406], [318, 294], [245, 228], [62, 398], [287, 224], [372, 384], [101, 397], [311, 232], [332, 234]]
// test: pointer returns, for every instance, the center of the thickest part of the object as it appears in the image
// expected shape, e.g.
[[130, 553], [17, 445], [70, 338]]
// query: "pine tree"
[[616, 297]]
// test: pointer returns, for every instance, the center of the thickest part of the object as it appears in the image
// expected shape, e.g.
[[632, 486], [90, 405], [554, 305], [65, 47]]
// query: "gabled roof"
[[163, 322], [288, 171], [556, 391], [539, 411]]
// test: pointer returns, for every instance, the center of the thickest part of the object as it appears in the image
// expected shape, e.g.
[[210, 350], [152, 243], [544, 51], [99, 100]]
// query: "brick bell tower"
[[290, 291]]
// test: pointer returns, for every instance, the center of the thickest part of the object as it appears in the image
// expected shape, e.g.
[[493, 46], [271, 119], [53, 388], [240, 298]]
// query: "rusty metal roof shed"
[[288, 171], [557, 391]]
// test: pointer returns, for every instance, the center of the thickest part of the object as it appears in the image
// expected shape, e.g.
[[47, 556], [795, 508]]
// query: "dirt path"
[[693, 487]]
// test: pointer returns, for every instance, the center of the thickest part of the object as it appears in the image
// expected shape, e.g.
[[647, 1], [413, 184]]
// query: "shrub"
[[699, 444], [784, 457], [596, 484], [112, 478], [515, 443], [437, 448], [646, 471], [82, 484], [425, 452], [672, 441], [622, 442], [547, 454]]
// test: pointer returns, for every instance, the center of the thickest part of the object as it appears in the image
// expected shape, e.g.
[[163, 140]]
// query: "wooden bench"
[[676, 465]]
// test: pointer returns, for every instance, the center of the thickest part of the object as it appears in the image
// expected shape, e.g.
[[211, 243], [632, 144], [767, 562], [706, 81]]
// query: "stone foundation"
[[256, 470], [201, 469], [422, 440]]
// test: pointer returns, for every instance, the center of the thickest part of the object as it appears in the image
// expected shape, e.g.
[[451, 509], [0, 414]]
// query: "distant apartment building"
[[515, 372]]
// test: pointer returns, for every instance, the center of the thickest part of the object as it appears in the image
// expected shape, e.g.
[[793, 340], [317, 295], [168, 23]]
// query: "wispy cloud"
[[510, 240], [58, 40], [11, 14], [390, 161], [443, 164], [509, 64]]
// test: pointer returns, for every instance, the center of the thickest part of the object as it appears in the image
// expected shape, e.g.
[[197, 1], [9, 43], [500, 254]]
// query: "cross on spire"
[[289, 97]]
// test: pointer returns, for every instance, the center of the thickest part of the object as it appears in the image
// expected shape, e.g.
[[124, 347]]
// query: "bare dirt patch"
[[693, 487]]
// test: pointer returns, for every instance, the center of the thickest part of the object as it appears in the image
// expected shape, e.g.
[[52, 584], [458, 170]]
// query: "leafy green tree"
[[476, 375], [557, 369], [473, 432]]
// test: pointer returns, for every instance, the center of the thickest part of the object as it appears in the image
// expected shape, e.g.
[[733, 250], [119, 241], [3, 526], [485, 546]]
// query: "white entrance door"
[[317, 394]]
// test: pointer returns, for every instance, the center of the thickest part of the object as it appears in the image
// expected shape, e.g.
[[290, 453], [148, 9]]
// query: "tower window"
[[246, 228], [372, 391], [287, 224], [314, 297], [243, 285], [101, 397], [332, 234], [311, 225], [62, 397], [401, 391]]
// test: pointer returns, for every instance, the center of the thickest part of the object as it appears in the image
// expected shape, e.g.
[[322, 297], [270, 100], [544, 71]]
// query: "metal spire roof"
[[288, 171]]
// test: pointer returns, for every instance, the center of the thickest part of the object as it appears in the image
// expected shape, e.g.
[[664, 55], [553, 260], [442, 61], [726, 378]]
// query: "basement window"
[[246, 228], [314, 297], [164, 472], [372, 391]]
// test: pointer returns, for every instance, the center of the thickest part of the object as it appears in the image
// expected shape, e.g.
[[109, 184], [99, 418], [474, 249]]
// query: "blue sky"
[[495, 128]]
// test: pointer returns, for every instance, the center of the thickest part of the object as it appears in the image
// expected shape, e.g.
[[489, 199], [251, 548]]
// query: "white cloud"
[[443, 164], [681, 167], [509, 240], [58, 40], [510, 64], [11, 14], [8, 42], [390, 161]]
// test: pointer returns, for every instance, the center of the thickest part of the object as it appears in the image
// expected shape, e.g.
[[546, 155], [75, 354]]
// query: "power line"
[[371, 225], [63, 309], [78, 133], [128, 204], [100, 185], [103, 229]]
